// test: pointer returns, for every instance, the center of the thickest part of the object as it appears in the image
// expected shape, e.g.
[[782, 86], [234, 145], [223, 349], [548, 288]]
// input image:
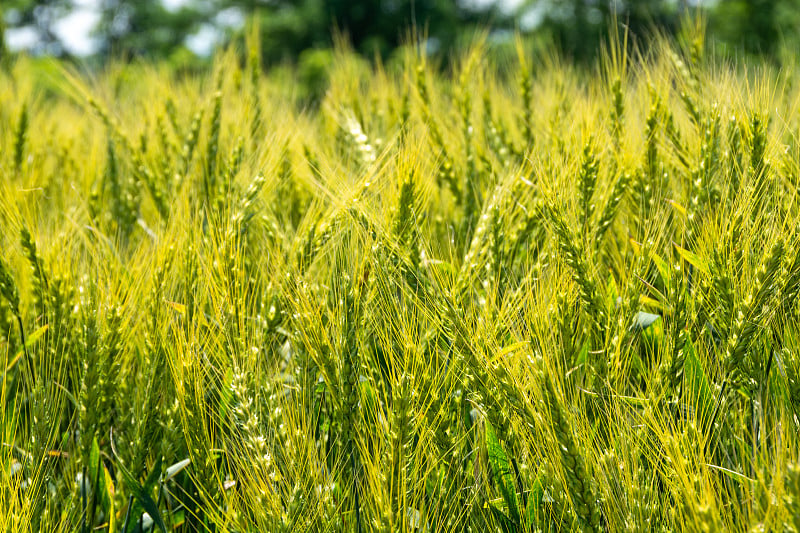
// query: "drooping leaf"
[[677, 207], [693, 259], [140, 494]]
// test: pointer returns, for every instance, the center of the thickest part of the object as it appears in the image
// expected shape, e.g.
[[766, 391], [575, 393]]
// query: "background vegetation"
[[499, 294], [159, 29]]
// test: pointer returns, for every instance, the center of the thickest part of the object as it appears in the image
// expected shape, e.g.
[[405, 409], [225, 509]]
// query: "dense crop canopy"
[[504, 295]]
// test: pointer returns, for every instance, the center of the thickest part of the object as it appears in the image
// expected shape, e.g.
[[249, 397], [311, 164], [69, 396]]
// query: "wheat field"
[[496, 292]]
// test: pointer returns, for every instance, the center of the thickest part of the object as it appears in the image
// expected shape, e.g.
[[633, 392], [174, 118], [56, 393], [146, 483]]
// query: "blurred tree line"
[[132, 28]]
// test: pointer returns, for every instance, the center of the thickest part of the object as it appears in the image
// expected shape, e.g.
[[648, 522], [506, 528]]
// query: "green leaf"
[[505, 523], [153, 476], [638, 365], [661, 265], [535, 497], [653, 333], [697, 385], [502, 474], [140, 494], [612, 292], [95, 467], [175, 469], [678, 207], [178, 518], [443, 270], [657, 304], [693, 259], [29, 342], [583, 355], [109, 495]]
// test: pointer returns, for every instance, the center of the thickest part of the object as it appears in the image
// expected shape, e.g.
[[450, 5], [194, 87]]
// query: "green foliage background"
[[147, 28]]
